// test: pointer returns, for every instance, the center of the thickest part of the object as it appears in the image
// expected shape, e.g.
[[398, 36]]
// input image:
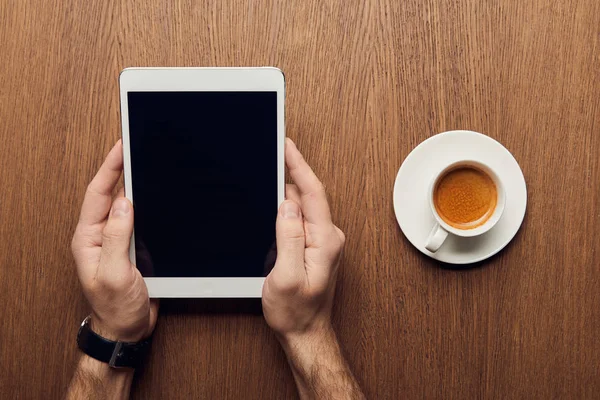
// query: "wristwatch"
[[115, 354]]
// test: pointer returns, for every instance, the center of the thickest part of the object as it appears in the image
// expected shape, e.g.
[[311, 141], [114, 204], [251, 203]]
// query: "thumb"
[[117, 232], [290, 234]]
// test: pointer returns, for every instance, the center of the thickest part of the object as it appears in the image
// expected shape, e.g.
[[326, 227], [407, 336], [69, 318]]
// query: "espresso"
[[465, 197]]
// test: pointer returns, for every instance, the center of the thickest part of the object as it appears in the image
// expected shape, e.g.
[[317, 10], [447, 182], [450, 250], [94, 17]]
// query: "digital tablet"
[[204, 169]]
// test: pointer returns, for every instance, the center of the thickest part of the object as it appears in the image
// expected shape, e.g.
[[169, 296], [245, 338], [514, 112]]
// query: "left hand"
[[121, 308]]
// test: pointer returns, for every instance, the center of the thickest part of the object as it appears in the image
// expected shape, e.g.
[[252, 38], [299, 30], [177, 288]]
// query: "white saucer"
[[428, 158]]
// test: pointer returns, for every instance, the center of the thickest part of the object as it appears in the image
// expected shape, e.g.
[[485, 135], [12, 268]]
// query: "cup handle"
[[436, 238]]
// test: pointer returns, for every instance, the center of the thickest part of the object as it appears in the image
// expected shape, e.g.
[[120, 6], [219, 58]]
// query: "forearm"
[[96, 380], [319, 367]]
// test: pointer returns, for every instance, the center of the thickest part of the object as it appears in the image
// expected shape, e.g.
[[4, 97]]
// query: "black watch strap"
[[115, 354]]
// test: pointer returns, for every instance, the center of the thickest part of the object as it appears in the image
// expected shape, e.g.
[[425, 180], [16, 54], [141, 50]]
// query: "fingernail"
[[120, 207], [291, 142], [290, 210]]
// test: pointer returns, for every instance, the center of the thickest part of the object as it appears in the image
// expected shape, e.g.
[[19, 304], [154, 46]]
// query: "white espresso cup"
[[441, 229]]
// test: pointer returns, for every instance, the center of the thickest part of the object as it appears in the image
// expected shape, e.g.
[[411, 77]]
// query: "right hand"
[[298, 293]]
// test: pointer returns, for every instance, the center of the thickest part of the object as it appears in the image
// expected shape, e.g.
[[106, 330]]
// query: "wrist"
[[323, 336], [92, 367], [318, 365], [102, 330], [95, 379], [117, 335], [93, 370], [306, 349]]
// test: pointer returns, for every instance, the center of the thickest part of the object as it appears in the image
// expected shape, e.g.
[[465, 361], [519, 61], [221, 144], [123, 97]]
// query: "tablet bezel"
[[199, 80]]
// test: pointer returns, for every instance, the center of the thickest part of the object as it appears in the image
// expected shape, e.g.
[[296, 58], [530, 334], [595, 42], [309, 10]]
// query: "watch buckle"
[[116, 353]]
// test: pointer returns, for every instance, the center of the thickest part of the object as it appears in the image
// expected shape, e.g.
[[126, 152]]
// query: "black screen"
[[204, 179]]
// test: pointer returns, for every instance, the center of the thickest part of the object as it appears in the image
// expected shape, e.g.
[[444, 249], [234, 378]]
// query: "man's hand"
[[298, 293], [115, 289]]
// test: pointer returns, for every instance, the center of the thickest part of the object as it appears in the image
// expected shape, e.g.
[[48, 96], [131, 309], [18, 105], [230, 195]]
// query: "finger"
[[86, 244], [290, 236], [340, 234], [154, 306], [96, 203], [292, 193], [314, 201], [116, 235]]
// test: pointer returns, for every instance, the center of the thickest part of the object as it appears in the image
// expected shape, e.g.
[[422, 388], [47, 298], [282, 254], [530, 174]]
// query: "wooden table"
[[366, 82]]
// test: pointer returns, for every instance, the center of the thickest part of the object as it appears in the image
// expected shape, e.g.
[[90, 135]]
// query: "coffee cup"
[[467, 199]]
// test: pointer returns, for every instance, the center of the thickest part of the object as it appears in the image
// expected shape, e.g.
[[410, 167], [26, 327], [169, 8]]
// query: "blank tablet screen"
[[204, 179]]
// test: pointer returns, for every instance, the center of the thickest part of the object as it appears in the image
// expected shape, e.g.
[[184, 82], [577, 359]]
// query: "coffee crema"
[[465, 197]]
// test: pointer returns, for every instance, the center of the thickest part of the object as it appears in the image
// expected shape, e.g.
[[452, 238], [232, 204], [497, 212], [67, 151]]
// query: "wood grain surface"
[[366, 82]]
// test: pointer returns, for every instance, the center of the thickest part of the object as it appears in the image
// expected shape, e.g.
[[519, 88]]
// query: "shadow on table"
[[211, 306], [479, 264], [466, 245]]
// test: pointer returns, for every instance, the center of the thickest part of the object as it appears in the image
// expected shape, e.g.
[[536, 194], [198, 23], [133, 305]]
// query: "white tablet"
[[204, 169]]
